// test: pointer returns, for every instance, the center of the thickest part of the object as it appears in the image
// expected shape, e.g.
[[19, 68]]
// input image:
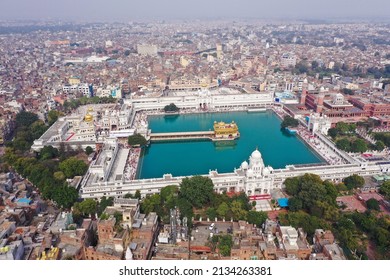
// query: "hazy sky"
[[123, 10]]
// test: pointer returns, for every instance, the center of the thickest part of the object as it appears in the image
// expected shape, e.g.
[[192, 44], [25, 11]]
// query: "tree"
[[48, 152], [37, 129], [237, 210], [225, 243], [373, 204], [292, 185], [332, 132], [59, 176], [151, 203], [359, 146], [222, 210], [289, 122], [347, 91], [104, 202], [127, 52], [379, 145], [137, 194], [64, 195], [171, 108], [385, 189], [354, 181], [86, 207], [257, 218], [344, 128], [211, 213], [185, 209], [343, 144], [73, 167], [197, 190], [88, 150], [136, 140], [53, 116], [294, 204], [25, 119]]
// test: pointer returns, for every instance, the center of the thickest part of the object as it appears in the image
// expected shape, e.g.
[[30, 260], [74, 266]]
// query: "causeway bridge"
[[181, 135]]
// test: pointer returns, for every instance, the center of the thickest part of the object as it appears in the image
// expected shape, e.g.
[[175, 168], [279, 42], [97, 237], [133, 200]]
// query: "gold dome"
[[88, 117]]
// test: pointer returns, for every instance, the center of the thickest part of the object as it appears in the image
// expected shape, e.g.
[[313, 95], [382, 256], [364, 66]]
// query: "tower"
[[303, 97], [256, 163], [320, 103]]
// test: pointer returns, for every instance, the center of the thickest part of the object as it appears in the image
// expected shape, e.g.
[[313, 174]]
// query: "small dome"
[[256, 154], [88, 117], [244, 165]]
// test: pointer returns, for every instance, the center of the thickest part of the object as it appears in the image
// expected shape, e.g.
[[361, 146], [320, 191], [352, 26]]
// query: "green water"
[[260, 129]]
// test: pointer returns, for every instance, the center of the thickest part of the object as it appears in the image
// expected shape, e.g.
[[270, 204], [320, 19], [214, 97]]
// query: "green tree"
[[151, 203], [59, 176], [171, 108], [237, 210], [37, 129], [333, 132], [222, 210], [373, 204], [385, 189], [211, 213], [25, 119], [53, 116], [186, 209], [197, 190], [343, 128], [88, 206], [104, 202], [225, 243], [73, 167], [295, 204], [137, 194], [343, 144], [48, 152], [64, 195], [136, 139], [292, 185], [347, 91], [88, 150], [289, 122], [379, 145], [359, 146], [257, 218], [354, 181]]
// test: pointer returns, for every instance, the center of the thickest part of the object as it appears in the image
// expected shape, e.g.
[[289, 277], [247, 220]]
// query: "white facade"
[[253, 178], [92, 123], [319, 124]]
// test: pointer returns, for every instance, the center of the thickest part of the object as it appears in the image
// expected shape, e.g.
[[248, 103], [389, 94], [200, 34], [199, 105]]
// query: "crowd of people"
[[132, 164], [140, 120], [327, 153]]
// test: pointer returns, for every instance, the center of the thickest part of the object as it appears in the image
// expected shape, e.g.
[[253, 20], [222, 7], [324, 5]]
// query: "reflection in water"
[[225, 145]]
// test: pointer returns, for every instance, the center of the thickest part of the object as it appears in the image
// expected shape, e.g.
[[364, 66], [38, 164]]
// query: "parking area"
[[201, 231], [352, 203]]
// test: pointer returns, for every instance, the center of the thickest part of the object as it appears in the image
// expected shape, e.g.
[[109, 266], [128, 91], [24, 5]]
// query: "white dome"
[[256, 154], [244, 165]]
